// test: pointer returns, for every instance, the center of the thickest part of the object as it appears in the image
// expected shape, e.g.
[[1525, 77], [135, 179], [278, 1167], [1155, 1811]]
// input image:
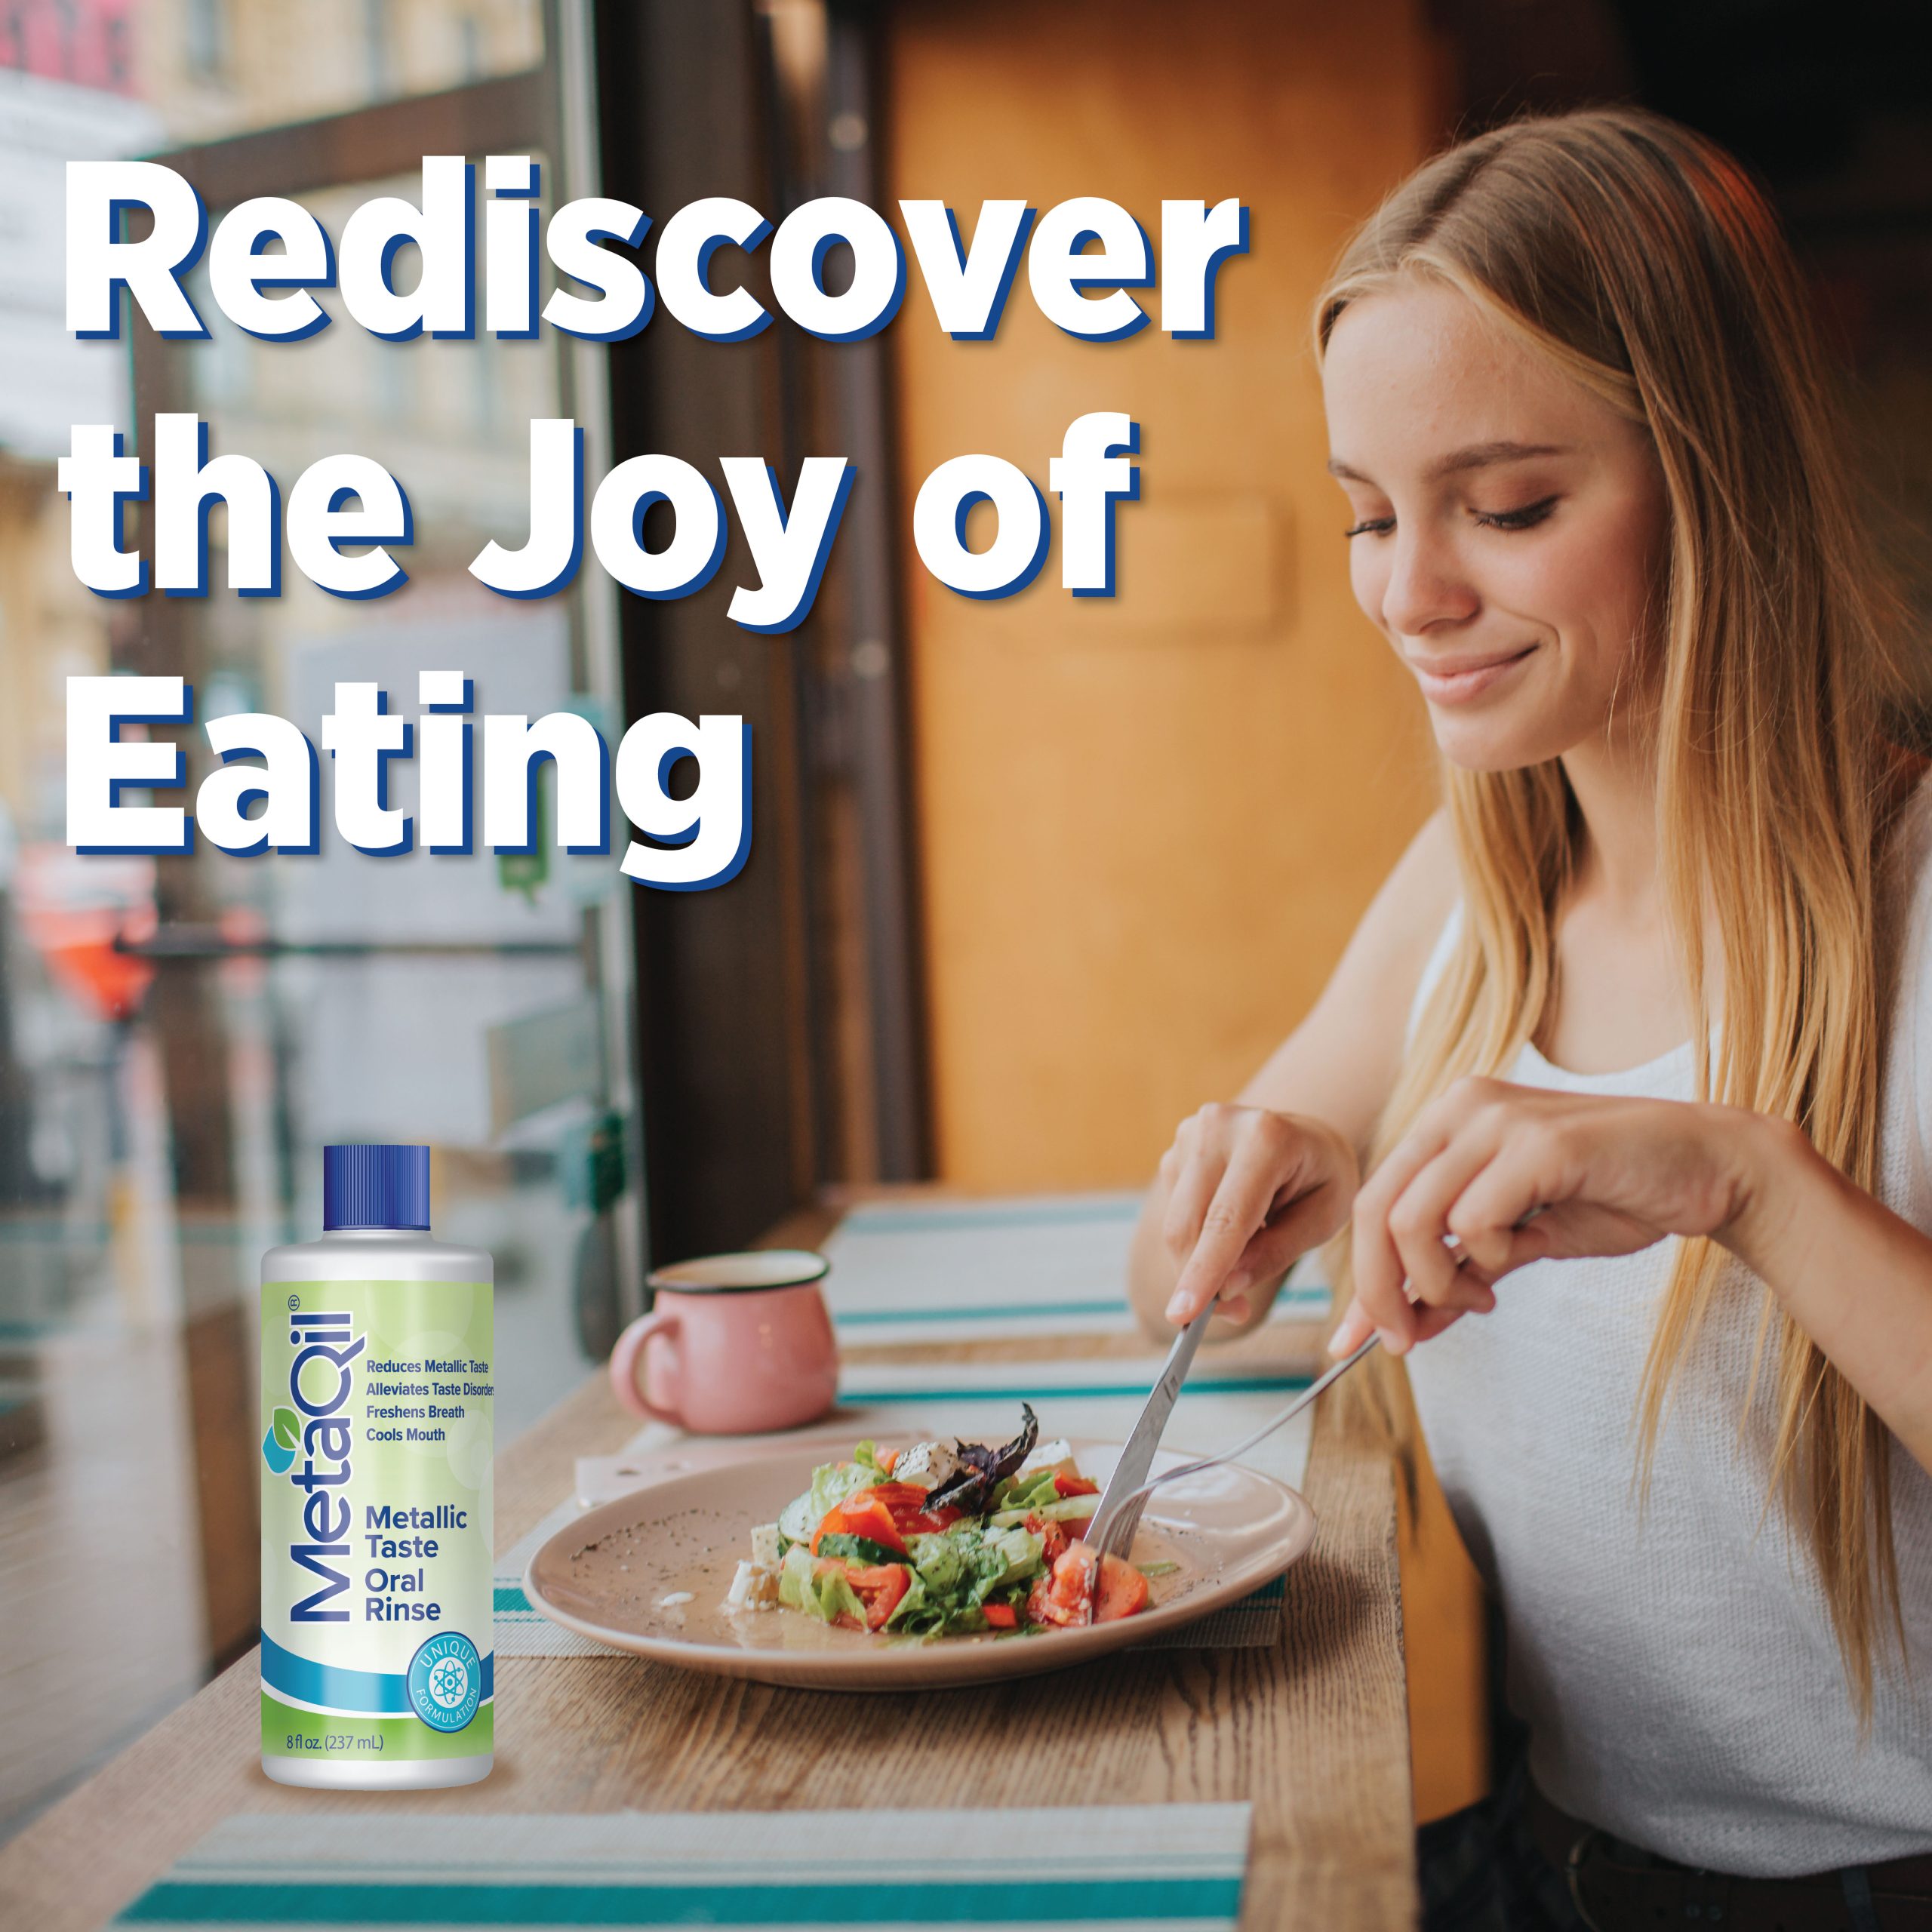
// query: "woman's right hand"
[[1249, 1191]]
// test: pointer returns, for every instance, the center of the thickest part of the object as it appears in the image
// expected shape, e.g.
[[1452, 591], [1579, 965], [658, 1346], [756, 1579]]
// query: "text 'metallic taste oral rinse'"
[[377, 1386]]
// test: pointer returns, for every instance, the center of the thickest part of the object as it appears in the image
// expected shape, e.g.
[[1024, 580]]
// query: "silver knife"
[[1137, 1457]]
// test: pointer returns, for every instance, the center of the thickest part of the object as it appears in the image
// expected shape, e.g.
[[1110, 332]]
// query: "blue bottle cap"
[[375, 1187]]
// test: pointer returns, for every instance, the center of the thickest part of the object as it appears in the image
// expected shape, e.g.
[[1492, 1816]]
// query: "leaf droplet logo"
[[284, 1431]]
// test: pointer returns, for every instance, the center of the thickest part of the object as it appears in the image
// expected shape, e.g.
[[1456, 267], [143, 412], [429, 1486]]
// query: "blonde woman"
[[1634, 1045]]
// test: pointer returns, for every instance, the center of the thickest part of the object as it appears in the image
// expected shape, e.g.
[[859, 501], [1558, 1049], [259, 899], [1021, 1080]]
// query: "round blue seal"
[[446, 1681]]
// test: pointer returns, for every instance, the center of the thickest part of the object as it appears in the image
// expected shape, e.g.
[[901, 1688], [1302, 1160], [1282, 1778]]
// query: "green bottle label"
[[375, 1543]]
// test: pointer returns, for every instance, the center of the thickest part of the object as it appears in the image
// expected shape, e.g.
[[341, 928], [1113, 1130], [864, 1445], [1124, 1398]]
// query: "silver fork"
[[1111, 1531]]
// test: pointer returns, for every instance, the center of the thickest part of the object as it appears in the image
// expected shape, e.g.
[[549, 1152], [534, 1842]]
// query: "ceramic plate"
[[609, 1573]]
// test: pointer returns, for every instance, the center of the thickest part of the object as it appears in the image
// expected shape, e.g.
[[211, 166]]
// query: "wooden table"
[[1313, 1732]]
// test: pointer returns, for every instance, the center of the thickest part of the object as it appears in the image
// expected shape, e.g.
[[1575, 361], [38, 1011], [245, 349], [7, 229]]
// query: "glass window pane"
[[161, 1116], [403, 1006]]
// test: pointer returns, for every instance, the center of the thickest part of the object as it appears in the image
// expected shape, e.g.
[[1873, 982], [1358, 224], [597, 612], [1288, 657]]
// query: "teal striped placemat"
[[1094, 1400], [954, 1271], [1098, 1868]]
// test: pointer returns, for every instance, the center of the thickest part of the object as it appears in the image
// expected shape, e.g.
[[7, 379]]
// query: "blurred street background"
[[1030, 880]]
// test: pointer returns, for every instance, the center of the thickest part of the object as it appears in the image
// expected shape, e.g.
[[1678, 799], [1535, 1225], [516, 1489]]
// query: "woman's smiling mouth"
[[1461, 679]]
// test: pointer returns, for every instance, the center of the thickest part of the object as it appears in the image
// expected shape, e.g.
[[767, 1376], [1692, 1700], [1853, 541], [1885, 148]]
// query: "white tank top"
[[1678, 1675]]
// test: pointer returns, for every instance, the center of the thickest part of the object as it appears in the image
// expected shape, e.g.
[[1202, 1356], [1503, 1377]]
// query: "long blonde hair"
[[1642, 261]]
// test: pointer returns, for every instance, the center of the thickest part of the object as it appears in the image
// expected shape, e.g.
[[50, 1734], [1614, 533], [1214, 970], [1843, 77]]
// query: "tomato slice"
[[1075, 1486], [885, 1513], [1123, 1591], [905, 1504], [1052, 1536], [1067, 1596], [880, 1588], [858, 1515], [1001, 1616], [1064, 1595]]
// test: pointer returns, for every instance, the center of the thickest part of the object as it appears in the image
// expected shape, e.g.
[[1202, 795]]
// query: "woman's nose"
[[1424, 586]]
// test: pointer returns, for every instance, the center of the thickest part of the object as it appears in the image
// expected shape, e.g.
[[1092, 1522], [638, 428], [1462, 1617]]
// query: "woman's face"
[[1507, 524]]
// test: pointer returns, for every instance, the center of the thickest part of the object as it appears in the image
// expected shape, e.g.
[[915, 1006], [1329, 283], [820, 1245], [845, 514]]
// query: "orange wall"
[[1147, 825]]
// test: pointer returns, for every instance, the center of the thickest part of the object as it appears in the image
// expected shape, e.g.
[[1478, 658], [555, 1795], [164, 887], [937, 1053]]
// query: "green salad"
[[932, 1541]]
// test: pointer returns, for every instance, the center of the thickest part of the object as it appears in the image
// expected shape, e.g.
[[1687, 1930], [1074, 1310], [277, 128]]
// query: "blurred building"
[[178, 1039], [1030, 880]]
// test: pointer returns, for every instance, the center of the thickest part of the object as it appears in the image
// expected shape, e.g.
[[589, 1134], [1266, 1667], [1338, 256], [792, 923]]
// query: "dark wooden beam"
[[875, 668], [724, 996]]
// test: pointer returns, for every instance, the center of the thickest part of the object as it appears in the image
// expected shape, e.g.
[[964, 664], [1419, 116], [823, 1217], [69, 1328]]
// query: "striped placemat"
[[1033, 1264], [1098, 1401], [1094, 1867]]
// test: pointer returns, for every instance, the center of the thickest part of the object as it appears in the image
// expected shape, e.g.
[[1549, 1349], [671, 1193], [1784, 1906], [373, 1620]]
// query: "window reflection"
[[179, 1037], [224, 66]]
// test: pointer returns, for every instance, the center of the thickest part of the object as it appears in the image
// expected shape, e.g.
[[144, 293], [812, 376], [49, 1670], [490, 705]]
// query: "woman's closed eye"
[[1527, 518], [1529, 515]]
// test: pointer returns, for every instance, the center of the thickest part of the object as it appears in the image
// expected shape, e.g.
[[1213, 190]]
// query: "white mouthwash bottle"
[[378, 1385]]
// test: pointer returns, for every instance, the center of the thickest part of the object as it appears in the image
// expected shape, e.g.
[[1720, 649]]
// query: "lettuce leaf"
[[914, 1614], [1032, 1491], [832, 1483], [857, 1549], [956, 1572], [818, 1588]]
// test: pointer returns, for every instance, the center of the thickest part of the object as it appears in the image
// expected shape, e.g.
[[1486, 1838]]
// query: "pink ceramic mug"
[[736, 1344]]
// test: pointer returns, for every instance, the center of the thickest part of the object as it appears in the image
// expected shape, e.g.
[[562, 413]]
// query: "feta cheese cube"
[[1047, 1455], [926, 1464], [754, 1586]]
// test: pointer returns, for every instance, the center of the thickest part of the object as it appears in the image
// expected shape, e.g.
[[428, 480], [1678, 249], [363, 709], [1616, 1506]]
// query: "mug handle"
[[627, 1358]]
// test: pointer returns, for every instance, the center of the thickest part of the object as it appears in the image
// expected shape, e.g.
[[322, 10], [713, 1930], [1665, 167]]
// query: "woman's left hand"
[[1599, 1176]]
